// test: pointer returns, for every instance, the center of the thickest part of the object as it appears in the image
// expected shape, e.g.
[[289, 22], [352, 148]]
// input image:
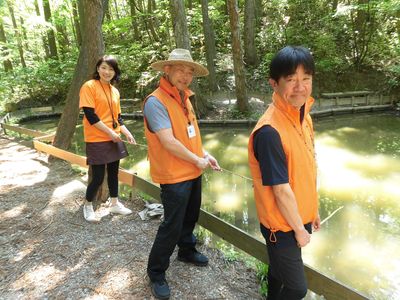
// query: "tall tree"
[[92, 48], [51, 38], [363, 20], [182, 40], [150, 7], [24, 34], [62, 37], [4, 50], [179, 24], [209, 40], [17, 33], [116, 9], [45, 46], [250, 52], [259, 10], [398, 23], [59, 18], [334, 5], [135, 27], [106, 10], [141, 7], [77, 26], [238, 65]]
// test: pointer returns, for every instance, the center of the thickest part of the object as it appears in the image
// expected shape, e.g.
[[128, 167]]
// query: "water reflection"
[[359, 166], [359, 169]]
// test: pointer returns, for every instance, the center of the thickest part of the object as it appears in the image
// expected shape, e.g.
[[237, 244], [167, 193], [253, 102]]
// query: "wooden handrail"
[[346, 94], [21, 130]]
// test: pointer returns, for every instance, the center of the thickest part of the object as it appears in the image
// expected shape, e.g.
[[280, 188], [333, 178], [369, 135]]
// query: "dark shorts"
[[101, 153]]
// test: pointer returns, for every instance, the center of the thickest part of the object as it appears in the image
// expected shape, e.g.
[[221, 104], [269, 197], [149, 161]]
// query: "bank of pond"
[[359, 181]]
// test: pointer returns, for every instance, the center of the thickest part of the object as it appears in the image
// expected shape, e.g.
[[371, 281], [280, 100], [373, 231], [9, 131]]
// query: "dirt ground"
[[48, 251]]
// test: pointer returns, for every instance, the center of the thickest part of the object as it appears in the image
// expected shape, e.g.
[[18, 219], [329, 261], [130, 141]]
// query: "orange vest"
[[166, 168], [298, 145], [104, 98]]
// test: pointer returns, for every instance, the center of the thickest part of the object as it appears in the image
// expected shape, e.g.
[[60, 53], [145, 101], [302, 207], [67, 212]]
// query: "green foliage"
[[262, 276], [235, 114], [394, 76], [46, 83]]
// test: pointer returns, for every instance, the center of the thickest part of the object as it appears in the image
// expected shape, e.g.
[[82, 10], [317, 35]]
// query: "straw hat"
[[181, 57]]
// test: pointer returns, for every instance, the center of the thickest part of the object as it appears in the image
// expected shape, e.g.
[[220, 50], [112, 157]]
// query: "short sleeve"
[[86, 96], [271, 157], [156, 115]]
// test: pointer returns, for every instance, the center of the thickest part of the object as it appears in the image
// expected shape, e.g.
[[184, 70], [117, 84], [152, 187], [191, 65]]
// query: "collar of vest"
[[172, 90], [288, 109]]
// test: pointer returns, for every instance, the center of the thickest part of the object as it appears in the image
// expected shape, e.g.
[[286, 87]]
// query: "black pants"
[[97, 179], [181, 203], [286, 277]]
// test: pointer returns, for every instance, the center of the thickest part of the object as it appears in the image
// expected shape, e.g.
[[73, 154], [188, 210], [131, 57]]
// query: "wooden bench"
[[352, 95], [43, 109]]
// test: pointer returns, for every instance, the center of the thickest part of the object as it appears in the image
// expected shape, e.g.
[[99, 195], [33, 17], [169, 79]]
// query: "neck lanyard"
[[182, 102], [301, 135], [109, 102]]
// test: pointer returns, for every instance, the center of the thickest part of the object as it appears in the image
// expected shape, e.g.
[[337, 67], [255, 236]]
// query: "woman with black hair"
[[102, 124]]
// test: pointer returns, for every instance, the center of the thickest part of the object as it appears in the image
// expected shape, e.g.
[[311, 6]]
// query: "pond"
[[359, 186]]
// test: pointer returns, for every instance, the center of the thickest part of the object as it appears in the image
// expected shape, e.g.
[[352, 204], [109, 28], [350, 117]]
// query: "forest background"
[[355, 44]]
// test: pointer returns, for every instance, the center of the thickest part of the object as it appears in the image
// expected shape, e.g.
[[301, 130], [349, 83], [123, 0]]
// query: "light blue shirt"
[[156, 115]]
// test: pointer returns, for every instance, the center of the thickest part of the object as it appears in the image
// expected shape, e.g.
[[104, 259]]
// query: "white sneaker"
[[119, 208], [88, 212]]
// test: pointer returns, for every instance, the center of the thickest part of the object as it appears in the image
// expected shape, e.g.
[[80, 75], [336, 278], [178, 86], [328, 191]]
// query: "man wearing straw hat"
[[177, 160]]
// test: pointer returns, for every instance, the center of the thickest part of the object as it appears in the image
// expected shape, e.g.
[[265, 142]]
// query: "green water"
[[359, 172]]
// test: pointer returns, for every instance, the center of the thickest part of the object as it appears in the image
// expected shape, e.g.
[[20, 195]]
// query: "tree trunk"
[[50, 32], [17, 34], [398, 22], [250, 52], [107, 13], [144, 19], [62, 38], [135, 27], [182, 40], [238, 66], [6, 61], [102, 192], [24, 35], [209, 39], [92, 48], [45, 46], [334, 5], [179, 24], [151, 21], [116, 10], [259, 10], [77, 26], [363, 31]]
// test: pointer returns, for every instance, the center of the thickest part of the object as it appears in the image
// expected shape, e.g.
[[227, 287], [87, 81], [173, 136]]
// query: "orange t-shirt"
[[104, 98]]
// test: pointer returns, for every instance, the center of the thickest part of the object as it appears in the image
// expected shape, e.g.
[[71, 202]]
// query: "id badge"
[[191, 131]]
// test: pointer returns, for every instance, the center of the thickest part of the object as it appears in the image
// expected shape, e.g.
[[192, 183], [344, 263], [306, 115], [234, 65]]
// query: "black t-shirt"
[[268, 150]]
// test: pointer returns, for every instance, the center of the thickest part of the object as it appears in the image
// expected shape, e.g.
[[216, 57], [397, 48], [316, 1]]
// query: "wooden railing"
[[353, 98], [317, 282]]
